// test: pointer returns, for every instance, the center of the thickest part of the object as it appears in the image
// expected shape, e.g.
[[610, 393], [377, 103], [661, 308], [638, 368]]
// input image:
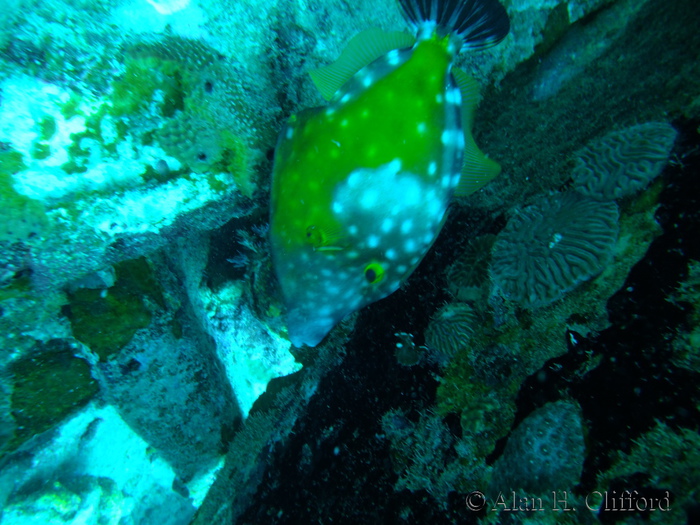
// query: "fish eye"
[[314, 236], [374, 272]]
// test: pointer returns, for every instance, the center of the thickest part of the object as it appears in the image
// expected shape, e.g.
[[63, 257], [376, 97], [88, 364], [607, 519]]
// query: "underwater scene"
[[369, 261]]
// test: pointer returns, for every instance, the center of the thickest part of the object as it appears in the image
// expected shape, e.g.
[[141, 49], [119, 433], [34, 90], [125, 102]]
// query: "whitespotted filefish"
[[361, 187]]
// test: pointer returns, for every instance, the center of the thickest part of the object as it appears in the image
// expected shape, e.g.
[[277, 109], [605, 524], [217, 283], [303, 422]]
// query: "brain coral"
[[551, 246], [546, 450], [192, 140], [623, 162], [467, 275]]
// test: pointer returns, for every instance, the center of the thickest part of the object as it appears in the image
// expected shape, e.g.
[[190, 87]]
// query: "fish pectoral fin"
[[477, 169], [364, 48], [469, 89]]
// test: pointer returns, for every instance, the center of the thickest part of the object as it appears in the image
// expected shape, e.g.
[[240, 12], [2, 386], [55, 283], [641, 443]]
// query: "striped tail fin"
[[479, 23]]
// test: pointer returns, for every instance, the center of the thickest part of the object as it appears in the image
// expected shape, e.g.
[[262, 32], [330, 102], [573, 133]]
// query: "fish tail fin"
[[479, 23]]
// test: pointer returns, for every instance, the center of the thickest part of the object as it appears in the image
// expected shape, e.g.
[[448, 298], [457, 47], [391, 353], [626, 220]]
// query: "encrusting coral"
[[623, 162], [551, 246]]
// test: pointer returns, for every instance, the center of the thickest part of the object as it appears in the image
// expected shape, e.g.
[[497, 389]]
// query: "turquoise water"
[[540, 364]]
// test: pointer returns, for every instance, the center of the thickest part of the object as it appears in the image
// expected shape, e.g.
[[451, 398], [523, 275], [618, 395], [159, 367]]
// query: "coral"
[[207, 126], [686, 345], [450, 329], [194, 53], [467, 276], [546, 450], [420, 451], [192, 140], [623, 162], [480, 385], [148, 80], [551, 246], [49, 383], [670, 459]]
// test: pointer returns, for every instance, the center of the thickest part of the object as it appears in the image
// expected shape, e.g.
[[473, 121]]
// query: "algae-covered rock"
[[48, 384], [106, 320]]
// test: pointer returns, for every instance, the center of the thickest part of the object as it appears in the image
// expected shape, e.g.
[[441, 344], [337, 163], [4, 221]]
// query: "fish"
[[361, 187]]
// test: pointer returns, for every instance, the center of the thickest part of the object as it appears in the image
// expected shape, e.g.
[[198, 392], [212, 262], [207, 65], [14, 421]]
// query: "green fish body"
[[361, 187]]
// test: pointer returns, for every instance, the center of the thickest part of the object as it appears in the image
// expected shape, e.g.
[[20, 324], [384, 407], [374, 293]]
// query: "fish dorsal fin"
[[362, 49], [477, 169]]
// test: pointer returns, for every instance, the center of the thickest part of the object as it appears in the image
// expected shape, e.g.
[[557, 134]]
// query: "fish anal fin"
[[477, 169]]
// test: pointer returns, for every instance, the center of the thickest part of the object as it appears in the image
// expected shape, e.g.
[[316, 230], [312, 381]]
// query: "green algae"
[[106, 320], [71, 108], [47, 128], [144, 78], [49, 384], [20, 216], [40, 151]]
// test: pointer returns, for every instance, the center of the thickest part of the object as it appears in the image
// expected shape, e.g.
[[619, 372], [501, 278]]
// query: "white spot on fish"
[[453, 96], [345, 98], [354, 179], [446, 181], [387, 225], [393, 57], [432, 168], [367, 81], [410, 246], [401, 269], [422, 128], [369, 199], [391, 254], [373, 241], [290, 133], [438, 98], [412, 196], [435, 209], [452, 137], [352, 229], [406, 226], [324, 311], [337, 207]]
